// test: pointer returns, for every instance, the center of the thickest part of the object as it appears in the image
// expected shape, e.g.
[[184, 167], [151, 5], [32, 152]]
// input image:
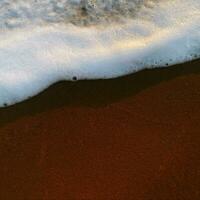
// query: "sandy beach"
[[135, 137]]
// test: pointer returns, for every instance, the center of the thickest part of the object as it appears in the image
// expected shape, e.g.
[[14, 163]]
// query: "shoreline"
[[135, 137], [67, 93]]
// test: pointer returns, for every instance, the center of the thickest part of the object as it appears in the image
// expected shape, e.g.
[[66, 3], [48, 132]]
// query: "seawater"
[[45, 41]]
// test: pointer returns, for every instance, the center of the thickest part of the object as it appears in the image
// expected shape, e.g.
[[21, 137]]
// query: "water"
[[79, 12], [45, 41]]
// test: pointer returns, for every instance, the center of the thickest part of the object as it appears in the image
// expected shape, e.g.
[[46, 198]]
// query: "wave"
[[41, 45]]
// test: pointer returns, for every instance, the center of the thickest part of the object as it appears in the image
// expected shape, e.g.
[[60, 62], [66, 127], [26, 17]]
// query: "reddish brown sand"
[[136, 137]]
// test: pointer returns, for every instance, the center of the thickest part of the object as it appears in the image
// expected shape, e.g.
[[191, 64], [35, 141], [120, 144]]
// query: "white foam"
[[34, 56]]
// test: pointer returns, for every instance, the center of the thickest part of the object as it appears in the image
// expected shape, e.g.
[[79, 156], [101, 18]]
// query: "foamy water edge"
[[35, 56]]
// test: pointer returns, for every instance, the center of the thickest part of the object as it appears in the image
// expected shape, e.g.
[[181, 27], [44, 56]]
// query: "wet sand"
[[135, 137]]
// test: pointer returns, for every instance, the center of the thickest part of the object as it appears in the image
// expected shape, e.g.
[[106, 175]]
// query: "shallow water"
[[43, 42], [79, 12]]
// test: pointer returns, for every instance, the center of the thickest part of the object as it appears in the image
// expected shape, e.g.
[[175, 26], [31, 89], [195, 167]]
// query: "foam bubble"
[[35, 53]]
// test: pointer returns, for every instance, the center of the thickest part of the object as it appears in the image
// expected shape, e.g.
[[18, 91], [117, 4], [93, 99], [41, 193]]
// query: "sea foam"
[[40, 45]]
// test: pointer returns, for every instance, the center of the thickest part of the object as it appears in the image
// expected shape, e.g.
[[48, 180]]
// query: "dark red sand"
[[136, 137]]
